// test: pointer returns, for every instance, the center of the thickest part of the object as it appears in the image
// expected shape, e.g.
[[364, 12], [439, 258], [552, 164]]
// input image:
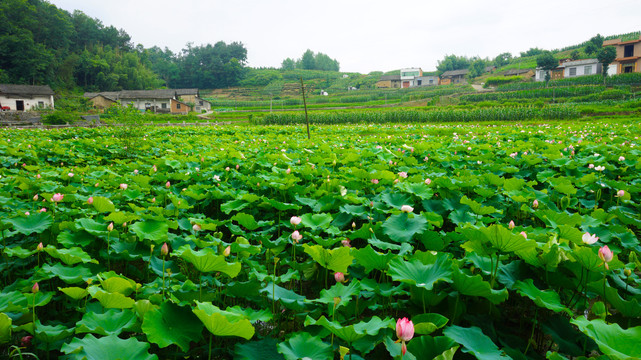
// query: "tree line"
[[41, 44]]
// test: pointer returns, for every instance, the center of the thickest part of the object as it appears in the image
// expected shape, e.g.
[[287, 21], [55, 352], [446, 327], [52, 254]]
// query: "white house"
[[583, 67], [25, 97], [409, 75]]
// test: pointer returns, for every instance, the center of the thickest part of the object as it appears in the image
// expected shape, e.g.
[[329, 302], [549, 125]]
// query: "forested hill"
[[41, 44]]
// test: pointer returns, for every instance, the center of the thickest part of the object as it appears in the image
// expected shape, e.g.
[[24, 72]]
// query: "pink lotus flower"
[[404, 332], [153, 200], [25, 341], [535, 204], [136, 171], [124, 186], [27, 213], [38, 176], [90, 200], [296, 236], [620, 193], [110, 227], [237, 166], [346, 243], [589, 239], [154, 168], [403, 174], [57, 197], [374, 181], [407, 209], [428, 181], [42, 210], [339, 277], [606, 255], [288, 171], [426, 159], [70, 174], [524, 234], [196, 227], [167, 185], [164, 249], [35, 288], [227, 168], [295, 220], [621, 158], [511, 225]]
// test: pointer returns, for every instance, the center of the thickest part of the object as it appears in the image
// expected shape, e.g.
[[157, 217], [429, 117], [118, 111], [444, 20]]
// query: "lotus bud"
[[90, 200], [164, 249], [407, 209], [524, 234], [110, 227], [606, 255], [339, 277], [511, 225], [40, 247], [404, 329], [123, 186], [535, 204], [57, 197], [35, 288], [295, 220], [35, 197], [196, 227], [620, 193], [168, 184], [627, 272], [227, 251]]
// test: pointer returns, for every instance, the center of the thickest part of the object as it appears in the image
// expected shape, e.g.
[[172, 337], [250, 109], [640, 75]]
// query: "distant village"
[[181, 101]]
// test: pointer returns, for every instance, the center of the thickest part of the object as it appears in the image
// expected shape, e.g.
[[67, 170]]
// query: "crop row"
[[535, 93], [621, 79]]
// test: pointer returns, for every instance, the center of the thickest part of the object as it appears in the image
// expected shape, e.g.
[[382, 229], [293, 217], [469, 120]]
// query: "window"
[[201, 103], [587, 70], [41, 104], [628, 51], [573, 71], [177, 105], [163, 105]]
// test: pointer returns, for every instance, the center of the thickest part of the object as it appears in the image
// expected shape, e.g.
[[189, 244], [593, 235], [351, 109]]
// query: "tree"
[[308, 61], [547, 62], [288, 64], [477, 68], [453, 62], [502, 59], [606, 56], [594, 44], [532, 52], [575, 54]]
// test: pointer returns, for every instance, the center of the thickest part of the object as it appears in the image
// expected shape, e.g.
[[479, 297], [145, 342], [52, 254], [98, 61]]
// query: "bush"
[[60, 117]]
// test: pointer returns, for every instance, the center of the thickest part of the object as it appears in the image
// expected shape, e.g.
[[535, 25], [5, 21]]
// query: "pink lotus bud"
[[42, 210], [621, 158], [227, 251], [407, 209], [237, 166], [288, 171], [25, 341], [153, 200], [70, 174], [535, 204], [428, 181], [606, 255], [38, 176], [196, 227], [404, 329], [374, 181], [123, 186], [620, 193], [339, 277], [35, 197], [353, 225], [35, 288], [136, 171], [591, 166], [395, 181], [511, 225], [27, 213], [168, 184], [589, 239], [57, 197], [154, 168], [164, 249], [295, 220], [227, 168], [403, 174], [296, 236], [110, 227], [90, 200], [524, 234], [40, 247], [346, 243], [124, 224]]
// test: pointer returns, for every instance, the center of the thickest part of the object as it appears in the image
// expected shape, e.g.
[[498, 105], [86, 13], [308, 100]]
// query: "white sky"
[[365, 35]]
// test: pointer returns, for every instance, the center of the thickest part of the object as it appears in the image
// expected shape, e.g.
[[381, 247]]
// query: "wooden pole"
[[302, 87]]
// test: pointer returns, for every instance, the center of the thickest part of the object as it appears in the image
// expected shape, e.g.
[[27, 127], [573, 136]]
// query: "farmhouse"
[[389, 81], [628, 58], [454, 77], [526, 73], [192, 96], [25, 97], [157, 101], [102, 100], [571, 68]]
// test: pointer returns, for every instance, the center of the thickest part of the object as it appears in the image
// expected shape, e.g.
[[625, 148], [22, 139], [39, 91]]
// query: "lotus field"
[[365, 242]]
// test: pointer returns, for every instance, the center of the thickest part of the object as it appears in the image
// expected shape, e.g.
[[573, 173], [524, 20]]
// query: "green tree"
[[502, 59], [594, 44], [532, 52], [453, 62], [546, 61], [308, 61], [288, 64], [477, 68], [606, 56], [575, 54]]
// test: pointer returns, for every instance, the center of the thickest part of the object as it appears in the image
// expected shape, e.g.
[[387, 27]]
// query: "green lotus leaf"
[[288, 297], [118, 217], [34, 223], [94, 348], [172, 324], [563, 185], [71, 256], [305, 346], [316, 221], [248, 221], [475, 342], [371, 259], [78, 238], [396, 199], [340, 291], [5, 328], [93, 227], [223, 323], [419, 189], [426, 324], [156, 231], [354, 332], [234, 205], [111, 322], [477, 208], [141, 307], [19, 252], [629, 308], [252, 315], [50, 334], [12, 301], [476, 286], [75, 293], [556, 219], [436, 348], [265, 349], [118, 285], [513, 184], [69, 274], [548, 299], [588, 258], [418, 274], [279, 205], [38, 299], [113, 300], [612, 339], [206, 260], [500, 238], [401, 227], [103, 205], [338, 259], [569, 340]]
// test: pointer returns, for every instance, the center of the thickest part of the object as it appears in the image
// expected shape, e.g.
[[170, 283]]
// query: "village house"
[[526, 73], [102, 100], [164, 101], [409, 76], [569, 68], [628, 58], [454, 77], [192, 97], [389, 81], [25, 97]]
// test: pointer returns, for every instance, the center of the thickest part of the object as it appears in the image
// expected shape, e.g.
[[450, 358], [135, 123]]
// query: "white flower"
[[599, 168], [589, 239], [407, 208]]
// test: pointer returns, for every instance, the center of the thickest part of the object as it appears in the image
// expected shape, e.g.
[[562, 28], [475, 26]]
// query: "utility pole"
[[302, 87]]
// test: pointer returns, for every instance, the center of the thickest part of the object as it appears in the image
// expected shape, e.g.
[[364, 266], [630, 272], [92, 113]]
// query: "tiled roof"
[[25, 89]]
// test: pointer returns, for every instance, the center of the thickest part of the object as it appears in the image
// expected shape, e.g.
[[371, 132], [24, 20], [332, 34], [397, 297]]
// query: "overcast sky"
[[365, 35]]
